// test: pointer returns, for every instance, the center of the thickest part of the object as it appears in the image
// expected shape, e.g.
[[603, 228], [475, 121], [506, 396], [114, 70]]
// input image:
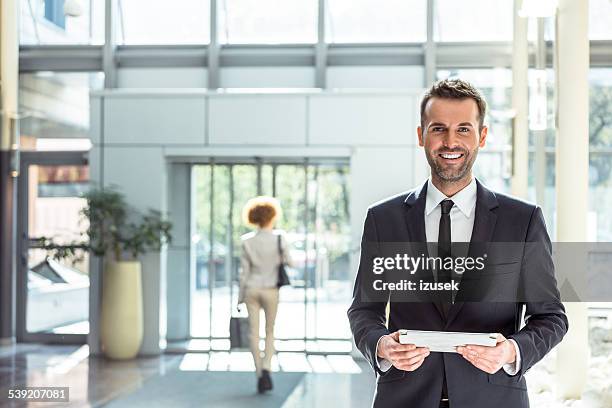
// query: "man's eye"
[[437, 129], [464, 129]]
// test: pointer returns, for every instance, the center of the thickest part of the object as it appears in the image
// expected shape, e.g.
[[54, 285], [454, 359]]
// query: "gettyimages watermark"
[[412, 264], [486, 272]]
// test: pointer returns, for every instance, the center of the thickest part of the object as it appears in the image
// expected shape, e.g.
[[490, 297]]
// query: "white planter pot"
[[121, 327]]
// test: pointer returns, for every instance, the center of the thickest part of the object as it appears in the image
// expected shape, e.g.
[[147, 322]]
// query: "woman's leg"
[[269, 302], [252, 301]]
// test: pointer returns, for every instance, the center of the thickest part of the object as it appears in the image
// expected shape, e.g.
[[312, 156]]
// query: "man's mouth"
[[451, 157]]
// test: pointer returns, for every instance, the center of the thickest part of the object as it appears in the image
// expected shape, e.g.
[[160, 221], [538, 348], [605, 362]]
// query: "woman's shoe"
[[266, 380], [260, 385]]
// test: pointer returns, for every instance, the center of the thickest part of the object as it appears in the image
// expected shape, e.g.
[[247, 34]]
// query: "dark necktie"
[[444, 247], [444, 275]]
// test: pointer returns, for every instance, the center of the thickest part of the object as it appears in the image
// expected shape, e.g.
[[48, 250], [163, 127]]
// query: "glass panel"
[[600, 138], [370, 21], [548, 202], [290, 186], [200, 249], [334, 279], [493, 165], [46, 22], [222, 234], [600, 20], [267, 21], [549, 29], [58, 109], [601, 107], [58, 287], [321, 266], [473, 20], [156, 22], [547, 197], [216, 287], [312, 256], [267, 180]]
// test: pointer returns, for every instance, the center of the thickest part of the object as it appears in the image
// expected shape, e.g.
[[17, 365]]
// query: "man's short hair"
[[455, 89]]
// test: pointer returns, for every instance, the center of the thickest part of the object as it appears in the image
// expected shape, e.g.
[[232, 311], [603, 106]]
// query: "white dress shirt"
[[462, 217]]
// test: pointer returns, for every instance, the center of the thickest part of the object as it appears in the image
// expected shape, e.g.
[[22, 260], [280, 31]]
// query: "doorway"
[[52, 270], [314, 196]]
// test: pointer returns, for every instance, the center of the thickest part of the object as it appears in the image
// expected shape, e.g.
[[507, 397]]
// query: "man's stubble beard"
[[449, 175]]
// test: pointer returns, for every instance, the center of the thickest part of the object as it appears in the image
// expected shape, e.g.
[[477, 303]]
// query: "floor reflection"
[[226, 379], [96, 382]]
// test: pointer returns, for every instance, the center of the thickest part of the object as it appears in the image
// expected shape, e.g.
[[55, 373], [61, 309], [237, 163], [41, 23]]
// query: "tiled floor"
[[226, 379], [97, 382], [92, 381]]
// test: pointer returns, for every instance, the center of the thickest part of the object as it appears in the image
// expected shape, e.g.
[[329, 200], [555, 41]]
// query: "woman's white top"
[[260, 258]]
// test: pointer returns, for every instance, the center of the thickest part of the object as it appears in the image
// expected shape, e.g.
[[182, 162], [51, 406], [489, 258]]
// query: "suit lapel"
[[415, 222], [482, 234], [415, 214]]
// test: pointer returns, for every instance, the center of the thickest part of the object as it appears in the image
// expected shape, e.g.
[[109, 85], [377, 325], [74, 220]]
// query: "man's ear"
[[420, 135], [483, 136]]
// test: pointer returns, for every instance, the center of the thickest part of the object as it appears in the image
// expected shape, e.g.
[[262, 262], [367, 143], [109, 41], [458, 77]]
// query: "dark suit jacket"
[[498, 218]]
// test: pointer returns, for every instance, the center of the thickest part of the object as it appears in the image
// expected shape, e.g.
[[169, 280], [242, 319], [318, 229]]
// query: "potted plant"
[[120, 236]]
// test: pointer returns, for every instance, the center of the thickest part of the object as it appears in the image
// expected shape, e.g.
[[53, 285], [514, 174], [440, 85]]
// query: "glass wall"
[[57, 286], [49, 22], [371, 21], [473, 20], [541, 161], [157, 22], [600, 20], [600, 139], [141, 22], [600, 157], [56, 108], [267, 21], [494, 163]]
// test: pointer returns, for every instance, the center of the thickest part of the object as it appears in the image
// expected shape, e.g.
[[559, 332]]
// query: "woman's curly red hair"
[[260, 211]]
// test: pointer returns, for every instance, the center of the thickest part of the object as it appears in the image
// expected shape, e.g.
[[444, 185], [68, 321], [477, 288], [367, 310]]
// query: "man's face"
[[451, 137]]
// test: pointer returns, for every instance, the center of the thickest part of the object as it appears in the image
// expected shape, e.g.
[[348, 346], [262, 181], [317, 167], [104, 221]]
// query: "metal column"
[[305, 252], [108, 50], [211, 254], [540, 135], [9, 144], [520, 105], [430, 46], [212, 54]]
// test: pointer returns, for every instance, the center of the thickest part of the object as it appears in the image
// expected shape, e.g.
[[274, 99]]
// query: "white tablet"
[[446, 342]]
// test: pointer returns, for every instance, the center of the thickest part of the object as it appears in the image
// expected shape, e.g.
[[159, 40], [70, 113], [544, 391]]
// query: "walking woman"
[[263, 250]]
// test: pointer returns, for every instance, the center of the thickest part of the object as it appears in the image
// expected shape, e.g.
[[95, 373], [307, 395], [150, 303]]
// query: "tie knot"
[[446, 206]]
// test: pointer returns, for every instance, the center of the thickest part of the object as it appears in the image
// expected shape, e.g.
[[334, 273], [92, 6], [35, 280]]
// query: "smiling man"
[[453, 207]]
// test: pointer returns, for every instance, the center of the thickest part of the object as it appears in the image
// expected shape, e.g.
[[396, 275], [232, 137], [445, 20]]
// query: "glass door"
[[53, 267], [314, 200]]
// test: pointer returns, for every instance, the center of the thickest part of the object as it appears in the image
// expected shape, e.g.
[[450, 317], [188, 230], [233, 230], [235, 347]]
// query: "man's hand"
[[407, 357], [489, 359]]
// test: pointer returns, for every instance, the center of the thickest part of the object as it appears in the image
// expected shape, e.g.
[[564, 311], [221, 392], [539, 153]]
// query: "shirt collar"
[[465, 199]]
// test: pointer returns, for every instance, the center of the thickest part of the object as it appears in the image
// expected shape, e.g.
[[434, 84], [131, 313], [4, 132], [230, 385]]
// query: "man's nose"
[[450, 140]]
